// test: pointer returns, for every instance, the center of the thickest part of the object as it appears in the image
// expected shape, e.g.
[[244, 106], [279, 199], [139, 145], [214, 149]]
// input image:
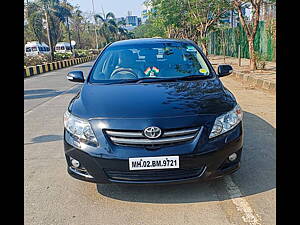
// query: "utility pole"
[[95, 25]]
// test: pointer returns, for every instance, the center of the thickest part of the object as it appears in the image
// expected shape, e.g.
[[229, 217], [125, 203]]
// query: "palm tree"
[[108, 26], [110, 30], [63, 12], [37, 11], [53, 13], [35, 20]]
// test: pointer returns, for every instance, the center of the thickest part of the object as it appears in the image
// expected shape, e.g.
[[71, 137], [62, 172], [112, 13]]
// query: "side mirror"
[[76, 76], [224, 70]]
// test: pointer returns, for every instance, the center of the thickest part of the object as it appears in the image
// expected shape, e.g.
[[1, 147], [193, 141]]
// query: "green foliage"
[[84, 53], [260, 60], [57, 12], [94, 51], [149, 30], [81, 53], [61, 56], [109, 30], [60, 14], [42, 58], [36, 25], [191, 19], [263, 43]]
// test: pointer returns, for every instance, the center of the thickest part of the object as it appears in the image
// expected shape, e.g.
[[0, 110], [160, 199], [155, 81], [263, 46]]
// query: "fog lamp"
[[232, 157], [75, 163]]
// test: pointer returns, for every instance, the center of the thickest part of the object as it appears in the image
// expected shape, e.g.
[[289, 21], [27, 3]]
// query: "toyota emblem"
[[152, 132]]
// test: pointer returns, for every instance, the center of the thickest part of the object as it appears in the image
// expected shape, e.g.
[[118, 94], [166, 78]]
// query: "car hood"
[[150, 100]]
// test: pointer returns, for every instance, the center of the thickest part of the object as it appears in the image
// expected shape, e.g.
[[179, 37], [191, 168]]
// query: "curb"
[[38, 69], [255, 82]]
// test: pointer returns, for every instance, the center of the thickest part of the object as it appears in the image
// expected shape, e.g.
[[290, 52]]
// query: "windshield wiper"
[[158, 79], [193, 77], [149, 79]]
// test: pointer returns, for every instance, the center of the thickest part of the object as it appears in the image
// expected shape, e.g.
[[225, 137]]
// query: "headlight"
[[227, 121], [80, 130]]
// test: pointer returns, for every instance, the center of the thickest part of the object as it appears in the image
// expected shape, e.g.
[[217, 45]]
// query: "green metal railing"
[[264, 42]]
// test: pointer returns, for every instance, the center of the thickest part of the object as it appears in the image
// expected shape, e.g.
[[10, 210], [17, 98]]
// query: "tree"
[[51, 21], [77, 20], [149, 29], [205, 15], [222, 28], [192, 19], [249, 25], [50, 15], [106, 25], [109, 29], [63, 11]]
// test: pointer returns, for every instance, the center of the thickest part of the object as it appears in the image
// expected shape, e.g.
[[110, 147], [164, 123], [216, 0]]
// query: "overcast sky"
[[119, 7]]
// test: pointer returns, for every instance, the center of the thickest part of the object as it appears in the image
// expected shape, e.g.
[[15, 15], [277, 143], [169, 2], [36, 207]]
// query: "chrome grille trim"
[[138, 139], [124, 134], [179, 132], [145, 141]]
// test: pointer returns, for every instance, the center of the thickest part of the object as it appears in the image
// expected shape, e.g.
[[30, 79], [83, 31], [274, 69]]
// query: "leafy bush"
[[36, 60], [94, 51], [81, 53], [260, 60], [62, 56], [41, 59]]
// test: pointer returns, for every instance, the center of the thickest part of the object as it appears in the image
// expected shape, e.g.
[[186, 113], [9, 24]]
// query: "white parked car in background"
[[34, 48]]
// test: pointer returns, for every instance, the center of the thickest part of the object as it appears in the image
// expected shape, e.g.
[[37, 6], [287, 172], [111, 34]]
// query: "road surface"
[[53, 197]]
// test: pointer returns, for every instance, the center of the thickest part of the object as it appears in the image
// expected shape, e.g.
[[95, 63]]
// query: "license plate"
[[150, 163]]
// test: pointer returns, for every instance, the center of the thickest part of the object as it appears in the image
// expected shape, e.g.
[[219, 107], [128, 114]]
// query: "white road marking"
[[241, 203]]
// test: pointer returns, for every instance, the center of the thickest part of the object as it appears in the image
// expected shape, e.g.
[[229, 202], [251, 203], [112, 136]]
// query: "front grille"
[[157, 175], [137, 138]]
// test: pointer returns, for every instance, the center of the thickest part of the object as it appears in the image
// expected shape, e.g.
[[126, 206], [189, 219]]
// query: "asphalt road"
[[53, 197]]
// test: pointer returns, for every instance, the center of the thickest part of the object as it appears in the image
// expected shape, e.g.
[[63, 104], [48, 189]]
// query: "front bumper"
[[210, 163]]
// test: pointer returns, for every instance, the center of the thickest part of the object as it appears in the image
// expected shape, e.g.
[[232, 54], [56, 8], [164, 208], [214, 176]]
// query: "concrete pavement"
[[260, 79], [53, 197]]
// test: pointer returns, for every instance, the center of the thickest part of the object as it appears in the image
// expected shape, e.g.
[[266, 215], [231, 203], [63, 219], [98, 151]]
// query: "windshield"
[[159, 60]]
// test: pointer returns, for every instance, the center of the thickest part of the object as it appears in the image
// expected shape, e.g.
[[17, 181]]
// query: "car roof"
[[62, 43], [32, 44], [148, 41]]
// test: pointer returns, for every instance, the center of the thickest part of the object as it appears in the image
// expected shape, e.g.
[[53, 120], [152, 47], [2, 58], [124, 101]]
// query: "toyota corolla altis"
[[152, 111]]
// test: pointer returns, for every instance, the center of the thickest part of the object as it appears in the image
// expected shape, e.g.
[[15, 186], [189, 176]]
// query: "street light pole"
[[95, 25]]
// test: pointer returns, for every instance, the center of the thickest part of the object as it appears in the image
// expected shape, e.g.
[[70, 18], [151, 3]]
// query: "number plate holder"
[[150, 163]]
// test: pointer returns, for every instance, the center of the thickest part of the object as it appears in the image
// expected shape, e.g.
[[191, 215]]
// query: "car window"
[[28, 49], [161, 60], [34, 49]]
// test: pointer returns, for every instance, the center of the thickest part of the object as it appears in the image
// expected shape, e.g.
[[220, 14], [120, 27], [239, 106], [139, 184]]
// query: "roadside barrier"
[[38, 69], [258, 83]]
